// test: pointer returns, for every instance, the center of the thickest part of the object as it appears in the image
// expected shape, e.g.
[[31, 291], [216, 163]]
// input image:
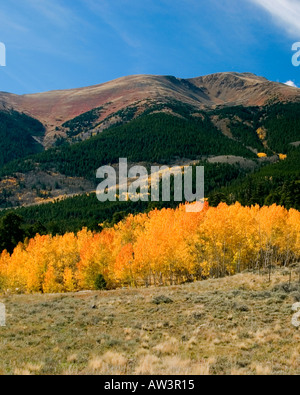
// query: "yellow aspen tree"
[[69, 280]]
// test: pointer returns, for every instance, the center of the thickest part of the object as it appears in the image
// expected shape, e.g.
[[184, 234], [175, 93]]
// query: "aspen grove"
[[164, 247]]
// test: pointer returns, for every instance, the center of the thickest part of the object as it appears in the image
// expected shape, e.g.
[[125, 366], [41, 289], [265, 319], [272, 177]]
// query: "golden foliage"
[[282, 156], [262, 134], [160, 248], [262, 155]]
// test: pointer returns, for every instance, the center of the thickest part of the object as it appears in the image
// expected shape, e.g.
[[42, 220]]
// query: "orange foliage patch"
[[160, 248]]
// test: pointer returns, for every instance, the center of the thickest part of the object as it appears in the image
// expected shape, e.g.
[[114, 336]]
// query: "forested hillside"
[[272, 128], [151, 138], [277, 183], [156, 136], [16, 136], [72, 214], [163, 133]]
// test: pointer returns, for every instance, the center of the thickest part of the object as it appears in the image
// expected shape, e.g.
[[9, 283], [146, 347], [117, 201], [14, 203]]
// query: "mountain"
[[52, 143], [106, 101]]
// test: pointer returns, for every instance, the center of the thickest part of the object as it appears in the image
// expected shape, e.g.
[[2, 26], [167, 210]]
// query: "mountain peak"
[[55, 108]]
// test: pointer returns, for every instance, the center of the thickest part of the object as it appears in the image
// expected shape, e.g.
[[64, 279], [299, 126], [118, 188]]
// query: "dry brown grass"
[[239, 325]]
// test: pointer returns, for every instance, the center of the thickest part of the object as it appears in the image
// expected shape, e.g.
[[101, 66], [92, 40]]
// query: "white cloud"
[[285, 12], [291, 83]]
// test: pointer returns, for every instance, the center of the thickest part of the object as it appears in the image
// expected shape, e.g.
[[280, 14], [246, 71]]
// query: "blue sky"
[[60, 44]]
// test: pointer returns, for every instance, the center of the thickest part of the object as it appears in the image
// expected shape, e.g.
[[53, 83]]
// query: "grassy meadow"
[[239, 325]]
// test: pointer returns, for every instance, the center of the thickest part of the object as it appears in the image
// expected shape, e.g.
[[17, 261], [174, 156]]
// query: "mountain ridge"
[[54, 108]]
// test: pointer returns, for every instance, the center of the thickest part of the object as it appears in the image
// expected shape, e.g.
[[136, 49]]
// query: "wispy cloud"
[[285, 12], [105, 11], [291, 83], [55, 12], [20, 16], [56, 24]]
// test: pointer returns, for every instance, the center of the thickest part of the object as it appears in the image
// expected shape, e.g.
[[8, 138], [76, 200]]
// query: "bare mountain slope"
[[54, 108], [244, 89]]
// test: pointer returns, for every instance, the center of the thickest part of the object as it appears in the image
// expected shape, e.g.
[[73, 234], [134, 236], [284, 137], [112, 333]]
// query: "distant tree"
[[217, 198], [37, 228], [118, 217], [100, 283], [11, 232]]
